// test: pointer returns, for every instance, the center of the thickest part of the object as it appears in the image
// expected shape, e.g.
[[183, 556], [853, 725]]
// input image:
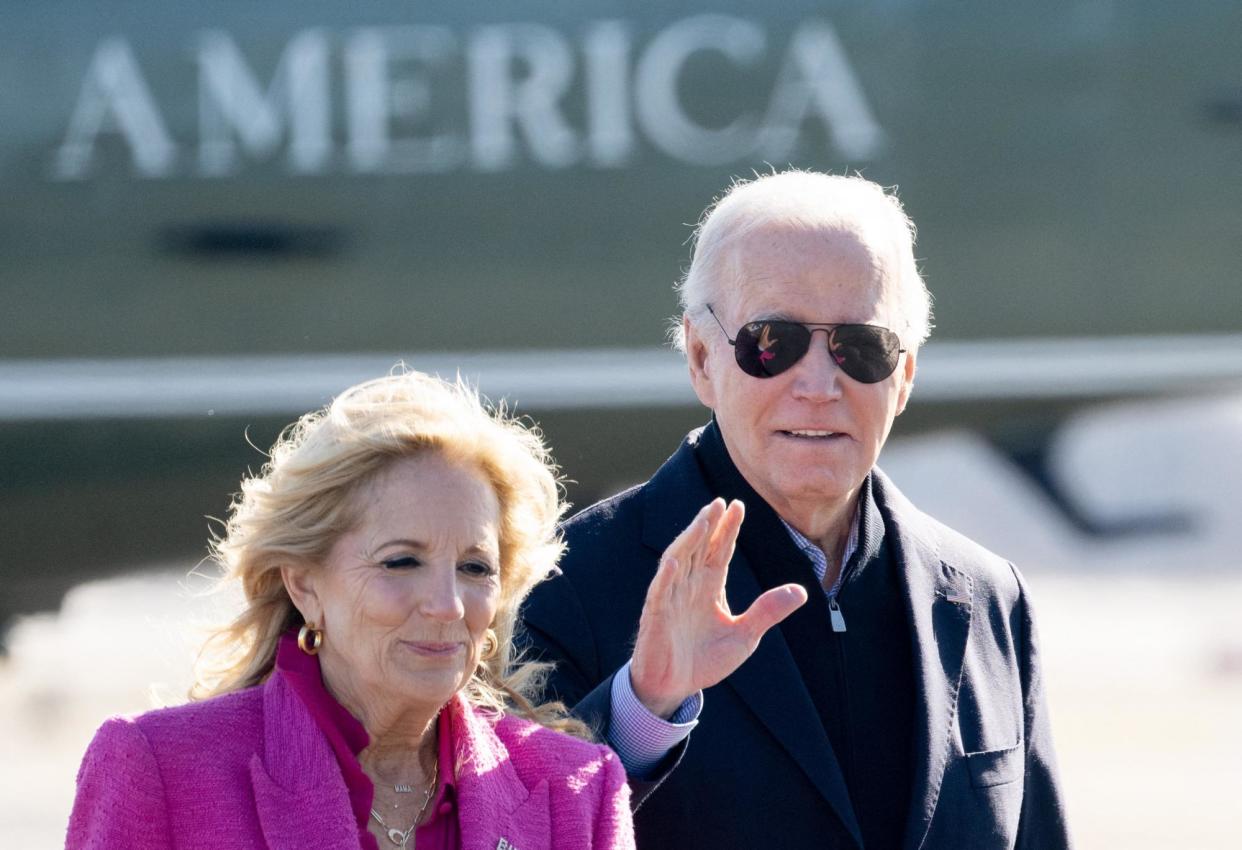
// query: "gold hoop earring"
[[491, 646], [310, 638]]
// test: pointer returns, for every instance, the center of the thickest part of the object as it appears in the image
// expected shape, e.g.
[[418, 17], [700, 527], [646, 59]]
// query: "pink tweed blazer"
[[253, 770]]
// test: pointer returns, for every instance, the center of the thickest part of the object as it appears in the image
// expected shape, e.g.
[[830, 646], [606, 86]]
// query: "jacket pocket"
[[996, 767]]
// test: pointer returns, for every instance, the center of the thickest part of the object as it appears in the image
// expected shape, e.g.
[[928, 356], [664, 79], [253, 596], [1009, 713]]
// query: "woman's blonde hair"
[[304, 499]]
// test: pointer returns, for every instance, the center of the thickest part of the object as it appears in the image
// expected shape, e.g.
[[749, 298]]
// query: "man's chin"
[[810, 485]]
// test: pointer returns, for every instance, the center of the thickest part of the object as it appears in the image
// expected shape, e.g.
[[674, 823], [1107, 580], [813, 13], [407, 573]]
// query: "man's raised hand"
[[687, 637]]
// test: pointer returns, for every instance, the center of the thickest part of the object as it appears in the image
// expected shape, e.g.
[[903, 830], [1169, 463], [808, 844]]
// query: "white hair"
[[803, 200]]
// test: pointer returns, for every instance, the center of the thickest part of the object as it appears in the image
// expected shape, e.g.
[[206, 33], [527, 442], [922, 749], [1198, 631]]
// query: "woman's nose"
[[441, 599]]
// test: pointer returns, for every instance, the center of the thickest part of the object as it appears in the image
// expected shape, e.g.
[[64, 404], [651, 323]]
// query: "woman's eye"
[[478, 568], [403, 562]]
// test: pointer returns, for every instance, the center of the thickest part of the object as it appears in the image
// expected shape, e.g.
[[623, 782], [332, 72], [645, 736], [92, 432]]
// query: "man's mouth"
[[809, 434]]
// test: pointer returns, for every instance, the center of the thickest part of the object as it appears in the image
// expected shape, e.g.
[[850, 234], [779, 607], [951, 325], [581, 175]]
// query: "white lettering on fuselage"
[[114, 89], [375, 100], [419, 99], [233, 109]]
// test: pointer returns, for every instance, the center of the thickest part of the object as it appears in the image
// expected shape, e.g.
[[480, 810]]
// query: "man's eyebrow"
[[773, 316]]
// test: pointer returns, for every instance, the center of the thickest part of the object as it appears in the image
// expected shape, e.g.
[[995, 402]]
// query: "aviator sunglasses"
[[764, 349]]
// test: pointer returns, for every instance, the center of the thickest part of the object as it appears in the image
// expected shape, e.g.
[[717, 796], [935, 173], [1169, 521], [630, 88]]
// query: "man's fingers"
[[772, 607], [688, 547], [664, 576], [724, 536], [680, 555]]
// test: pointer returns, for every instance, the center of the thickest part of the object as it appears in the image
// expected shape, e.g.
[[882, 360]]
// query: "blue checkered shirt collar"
[[819, 560]]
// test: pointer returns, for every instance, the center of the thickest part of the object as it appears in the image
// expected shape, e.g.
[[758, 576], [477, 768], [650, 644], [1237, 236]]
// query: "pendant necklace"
[[401, 837]]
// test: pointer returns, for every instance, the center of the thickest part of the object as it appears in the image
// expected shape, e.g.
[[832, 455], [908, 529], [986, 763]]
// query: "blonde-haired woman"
[[368, 694]]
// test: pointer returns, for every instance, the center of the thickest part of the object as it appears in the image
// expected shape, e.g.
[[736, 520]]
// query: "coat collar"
[[299, 791], [940, 602], [769, 682], [495, 808], [302, 801], [938, 597]]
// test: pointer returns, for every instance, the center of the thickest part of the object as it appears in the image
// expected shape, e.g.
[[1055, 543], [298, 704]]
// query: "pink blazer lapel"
[[496, 811], [299, 793]]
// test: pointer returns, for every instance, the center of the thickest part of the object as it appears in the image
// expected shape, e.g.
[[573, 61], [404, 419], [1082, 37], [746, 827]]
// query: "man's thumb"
[[772, 607]]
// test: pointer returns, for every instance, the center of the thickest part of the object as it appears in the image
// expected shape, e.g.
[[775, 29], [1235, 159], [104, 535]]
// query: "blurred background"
[[217, 215]]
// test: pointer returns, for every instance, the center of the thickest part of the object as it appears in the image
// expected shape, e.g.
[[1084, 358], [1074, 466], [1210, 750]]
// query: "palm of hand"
[[688, 639]]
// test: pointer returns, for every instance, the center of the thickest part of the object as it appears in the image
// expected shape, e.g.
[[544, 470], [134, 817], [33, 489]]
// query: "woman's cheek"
[[388, 603], [481, 607]]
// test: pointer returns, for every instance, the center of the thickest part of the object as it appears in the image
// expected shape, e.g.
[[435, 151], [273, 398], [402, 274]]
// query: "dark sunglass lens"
[[866, 353], [765, 349]]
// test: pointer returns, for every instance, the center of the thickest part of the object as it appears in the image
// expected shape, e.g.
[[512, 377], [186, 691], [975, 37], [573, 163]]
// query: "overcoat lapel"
[[302, 801], [769, 682], [299, 793], [940, 603], [771, 685], [494, 808]]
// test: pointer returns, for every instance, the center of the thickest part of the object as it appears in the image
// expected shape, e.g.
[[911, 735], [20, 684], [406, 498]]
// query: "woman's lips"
[[433, 649]]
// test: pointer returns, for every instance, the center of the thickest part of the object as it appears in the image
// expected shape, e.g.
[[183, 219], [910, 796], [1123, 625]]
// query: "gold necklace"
[[401, 837]]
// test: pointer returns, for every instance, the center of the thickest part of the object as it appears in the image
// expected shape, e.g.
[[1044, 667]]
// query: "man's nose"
[[441, 597], [817, 376]]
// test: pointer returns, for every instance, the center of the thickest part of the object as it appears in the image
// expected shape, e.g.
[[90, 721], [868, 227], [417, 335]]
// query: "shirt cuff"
[[640, 738]]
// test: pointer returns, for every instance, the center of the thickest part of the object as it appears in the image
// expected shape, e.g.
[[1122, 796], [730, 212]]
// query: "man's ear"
[[907, 370], [302, 587], [699, 359]]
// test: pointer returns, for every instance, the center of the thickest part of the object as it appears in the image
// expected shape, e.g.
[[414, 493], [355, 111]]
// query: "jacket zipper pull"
[[838, 619]]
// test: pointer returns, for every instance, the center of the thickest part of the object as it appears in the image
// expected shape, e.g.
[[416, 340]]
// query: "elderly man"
[[902, 705]]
